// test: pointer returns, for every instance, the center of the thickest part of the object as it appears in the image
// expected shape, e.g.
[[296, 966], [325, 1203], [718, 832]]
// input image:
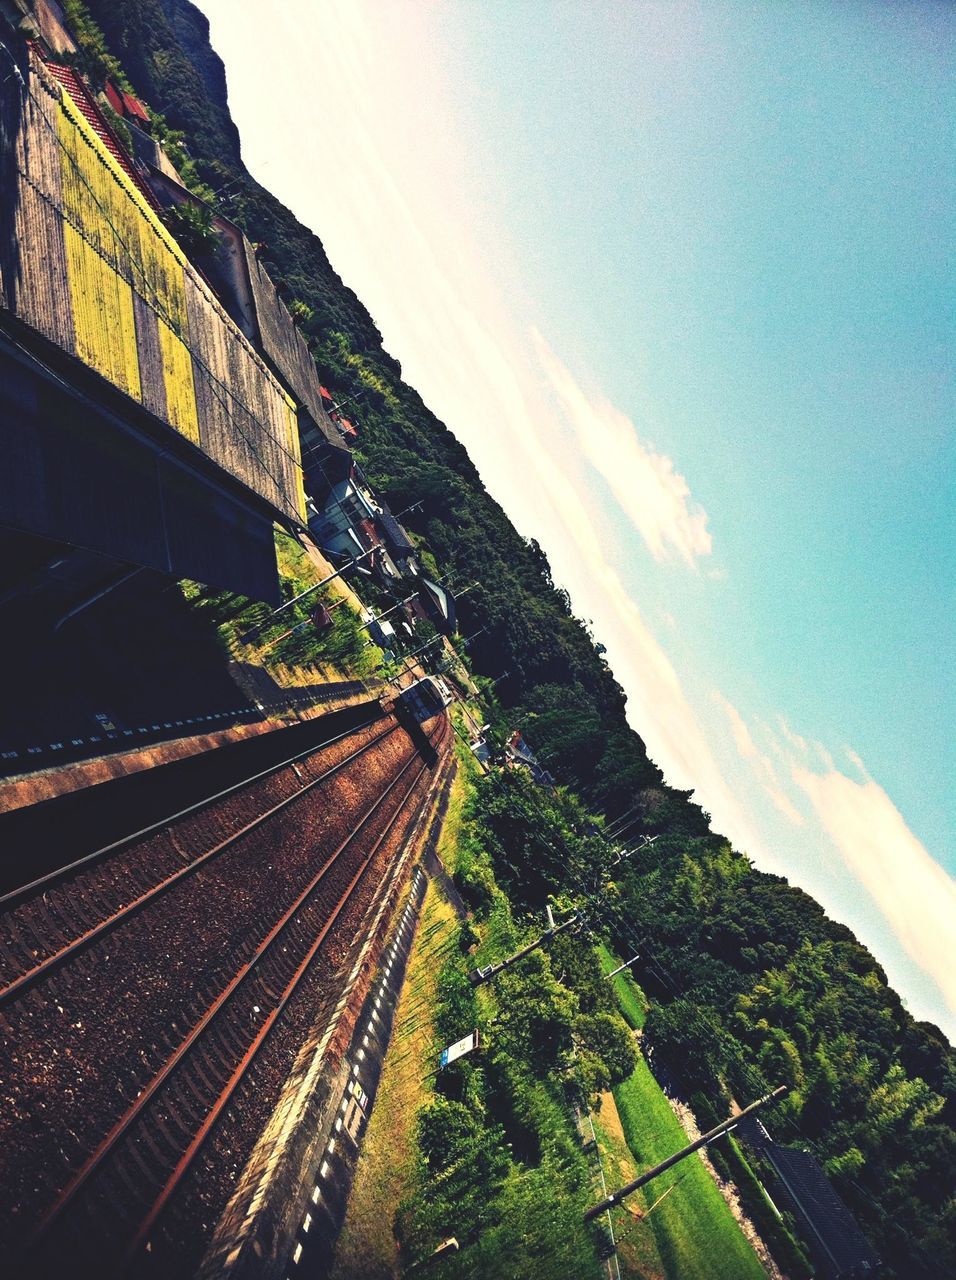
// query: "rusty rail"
[[94, 932], [267, 951]]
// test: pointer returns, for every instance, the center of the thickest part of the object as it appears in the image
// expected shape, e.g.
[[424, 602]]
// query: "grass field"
[[697, 1237], [630, 998], [695, 1234], [637, 1253]]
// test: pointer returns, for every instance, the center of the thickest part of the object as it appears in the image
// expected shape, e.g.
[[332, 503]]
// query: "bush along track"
[[488, 1151]]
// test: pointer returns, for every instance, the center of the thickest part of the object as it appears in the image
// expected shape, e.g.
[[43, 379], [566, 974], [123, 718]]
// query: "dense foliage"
[[754, 983], [500, 1164], [755, 986]]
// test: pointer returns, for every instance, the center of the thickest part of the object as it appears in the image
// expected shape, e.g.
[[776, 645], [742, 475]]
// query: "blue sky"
[[680, 277]]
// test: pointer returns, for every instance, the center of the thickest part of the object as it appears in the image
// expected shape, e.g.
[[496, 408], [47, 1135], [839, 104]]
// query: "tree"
[[608, 1036], [689, 1041], [191, 225], [536, 1014], [464, 1164]]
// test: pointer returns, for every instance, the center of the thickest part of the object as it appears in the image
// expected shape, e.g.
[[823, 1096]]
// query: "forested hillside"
[[753, 983]]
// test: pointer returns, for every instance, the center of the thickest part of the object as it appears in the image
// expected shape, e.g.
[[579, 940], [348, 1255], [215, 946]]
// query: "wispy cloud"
[[738, 727], [824, 756], [854, 759], [912, 891], [799, 744], [782, 801], [651, 492], [761, 764]]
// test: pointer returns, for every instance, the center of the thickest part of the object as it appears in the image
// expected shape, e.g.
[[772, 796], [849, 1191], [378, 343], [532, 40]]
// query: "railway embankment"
[[289, 1205], [156, 999], [366, 1248]]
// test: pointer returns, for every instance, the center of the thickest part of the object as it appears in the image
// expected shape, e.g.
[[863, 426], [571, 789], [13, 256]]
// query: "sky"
[[680, 277]]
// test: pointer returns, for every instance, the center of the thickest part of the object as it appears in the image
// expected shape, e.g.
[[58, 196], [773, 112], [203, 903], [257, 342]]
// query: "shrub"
[[607, 1037]]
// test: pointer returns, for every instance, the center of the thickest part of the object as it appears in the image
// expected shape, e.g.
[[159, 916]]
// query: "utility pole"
[[717, 1132], [260, 626], [646, 842], [411, 507], [477, 976], [341, 403], [421, 648], [621, 967], [468, 639], [300, 626], [407, 658]]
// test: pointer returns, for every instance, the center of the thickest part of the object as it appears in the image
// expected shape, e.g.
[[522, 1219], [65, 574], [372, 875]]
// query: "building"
[[437, 604], [252, 299], [399, 545], [139, 421], [519, 754], [837, 1245]]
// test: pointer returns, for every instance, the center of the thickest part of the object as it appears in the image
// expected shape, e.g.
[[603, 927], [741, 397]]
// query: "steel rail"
[[108, 1144], [62, 873], [169, 1189], [55, 959]]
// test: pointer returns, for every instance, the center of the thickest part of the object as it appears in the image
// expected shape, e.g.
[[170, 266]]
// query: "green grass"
[[695, 1232], [289, 656], [637, 1254], [367, 1248], [630, 998]]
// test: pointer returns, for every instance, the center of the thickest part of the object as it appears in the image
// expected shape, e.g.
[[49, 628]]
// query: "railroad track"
[[105, 1215], [54, 918]]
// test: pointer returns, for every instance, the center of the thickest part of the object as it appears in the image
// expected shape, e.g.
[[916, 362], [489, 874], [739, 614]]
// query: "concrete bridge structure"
[[138, 421]]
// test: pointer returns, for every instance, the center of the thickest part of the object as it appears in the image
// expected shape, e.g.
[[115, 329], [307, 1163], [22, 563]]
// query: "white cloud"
[[794, 739], [738, 727], [654, 496], [761, 764], [912, 891]]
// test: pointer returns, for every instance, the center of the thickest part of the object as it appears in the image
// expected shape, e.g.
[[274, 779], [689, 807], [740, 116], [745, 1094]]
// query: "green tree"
[[535, 1014], [689, 1041], [608, 1036], [464, 1163]]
